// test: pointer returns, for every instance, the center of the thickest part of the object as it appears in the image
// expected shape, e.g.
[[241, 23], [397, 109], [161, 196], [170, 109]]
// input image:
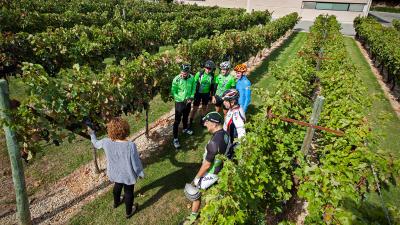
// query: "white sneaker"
[[188, 131], [176, 143]]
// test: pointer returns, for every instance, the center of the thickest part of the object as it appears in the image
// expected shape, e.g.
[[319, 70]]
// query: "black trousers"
[[128, 195], [182, 112]]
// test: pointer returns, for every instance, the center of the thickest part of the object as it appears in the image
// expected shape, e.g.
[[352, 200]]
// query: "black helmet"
[[214, 117], [185, 67], [209, 64], [230, 94]]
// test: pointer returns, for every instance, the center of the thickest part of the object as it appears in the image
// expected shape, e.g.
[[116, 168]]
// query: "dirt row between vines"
[[64, 199]]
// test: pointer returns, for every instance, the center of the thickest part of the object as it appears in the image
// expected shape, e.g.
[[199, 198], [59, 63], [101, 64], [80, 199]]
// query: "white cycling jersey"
[[235, 116]]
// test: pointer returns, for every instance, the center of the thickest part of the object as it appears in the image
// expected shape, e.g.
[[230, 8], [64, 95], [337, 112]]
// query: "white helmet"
[[192, 192], [225, 65]]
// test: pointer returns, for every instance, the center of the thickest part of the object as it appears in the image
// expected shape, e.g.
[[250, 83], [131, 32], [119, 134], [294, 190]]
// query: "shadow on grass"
[[185, 173], [368, 212]]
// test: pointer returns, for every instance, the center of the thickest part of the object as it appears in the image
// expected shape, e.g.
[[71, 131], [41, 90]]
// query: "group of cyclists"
[[231, 95]]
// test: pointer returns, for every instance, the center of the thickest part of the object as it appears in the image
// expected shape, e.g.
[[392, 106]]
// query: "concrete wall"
[[284, 7]]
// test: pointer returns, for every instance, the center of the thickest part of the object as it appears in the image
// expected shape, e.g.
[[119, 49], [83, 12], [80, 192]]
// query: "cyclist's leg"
[[205, 99], [196, 104], [179, 106], [218, 103], [186, 113]]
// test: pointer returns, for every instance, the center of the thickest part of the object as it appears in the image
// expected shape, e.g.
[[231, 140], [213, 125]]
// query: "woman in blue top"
[[123, 163], [243, 86]]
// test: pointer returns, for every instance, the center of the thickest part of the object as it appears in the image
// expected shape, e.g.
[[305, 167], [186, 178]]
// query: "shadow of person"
[[172, 181], [186, 172]]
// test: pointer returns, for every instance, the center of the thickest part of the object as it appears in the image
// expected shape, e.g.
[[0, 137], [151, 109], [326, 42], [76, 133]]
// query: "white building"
[[344, 10]]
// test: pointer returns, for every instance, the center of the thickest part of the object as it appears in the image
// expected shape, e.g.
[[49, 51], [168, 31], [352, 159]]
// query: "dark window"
[[353, 7], [332, 6]]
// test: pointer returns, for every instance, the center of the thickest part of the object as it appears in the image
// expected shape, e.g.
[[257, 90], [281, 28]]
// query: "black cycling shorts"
[[204, 98], [218, 101]]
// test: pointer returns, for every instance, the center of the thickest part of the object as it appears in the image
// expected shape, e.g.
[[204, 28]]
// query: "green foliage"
[[62, 47], [237, 46], [385, 9], [76, 94], [38, 16], [396, 24], [270, 166], [382, 43]]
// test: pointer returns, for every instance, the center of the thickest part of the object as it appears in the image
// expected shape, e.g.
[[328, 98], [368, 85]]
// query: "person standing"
[[235, 117], [207, 175], [123, 162], [243, 86], [223, 82], [204, 81], [183, 89]]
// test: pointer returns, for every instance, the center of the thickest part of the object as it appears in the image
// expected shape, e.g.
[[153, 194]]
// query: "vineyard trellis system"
[[269, 167], [382, 44], [80, 93]]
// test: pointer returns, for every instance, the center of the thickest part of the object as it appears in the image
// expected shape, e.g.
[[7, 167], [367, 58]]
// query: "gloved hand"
[[90, 131]]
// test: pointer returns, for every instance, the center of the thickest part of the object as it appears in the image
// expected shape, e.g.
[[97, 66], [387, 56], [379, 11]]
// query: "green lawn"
[[385, 9], [160, 194], [386, 129]]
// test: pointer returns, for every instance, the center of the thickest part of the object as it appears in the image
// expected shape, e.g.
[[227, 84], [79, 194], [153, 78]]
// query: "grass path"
[[386, 129], [160, 194]]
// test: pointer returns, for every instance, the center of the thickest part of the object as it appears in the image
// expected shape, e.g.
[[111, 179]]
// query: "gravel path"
[[65, 198]]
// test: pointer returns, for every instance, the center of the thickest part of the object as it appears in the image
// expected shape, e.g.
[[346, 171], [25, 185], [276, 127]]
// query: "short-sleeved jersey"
[[217, 145]]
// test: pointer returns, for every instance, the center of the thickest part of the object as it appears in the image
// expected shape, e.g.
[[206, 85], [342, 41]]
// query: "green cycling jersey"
[[224, 82], [204, 81], [183, 89]]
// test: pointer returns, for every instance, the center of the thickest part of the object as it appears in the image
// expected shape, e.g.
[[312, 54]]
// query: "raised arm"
[[98, 144]]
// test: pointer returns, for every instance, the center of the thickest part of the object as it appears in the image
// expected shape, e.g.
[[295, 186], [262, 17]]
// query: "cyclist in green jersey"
[[207, 175], [183, 89], [224, 81], [204, 81]]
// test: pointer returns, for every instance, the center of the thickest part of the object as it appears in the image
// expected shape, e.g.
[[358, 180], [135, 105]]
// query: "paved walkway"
[[385, 17], [347, 28]]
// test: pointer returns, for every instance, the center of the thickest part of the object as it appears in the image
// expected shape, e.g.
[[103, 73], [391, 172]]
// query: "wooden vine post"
[[23, 213], [314, 120], [95, 161]]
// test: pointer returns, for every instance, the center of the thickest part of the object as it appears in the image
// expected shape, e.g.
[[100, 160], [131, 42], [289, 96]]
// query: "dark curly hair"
[[118, 129]]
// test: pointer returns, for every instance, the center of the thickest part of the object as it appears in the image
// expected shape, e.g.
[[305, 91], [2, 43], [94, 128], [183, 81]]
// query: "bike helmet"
[[191, 192], [185, 68], [209, 64], [225, 65], [230, 95], [214, 117], [241, 68]]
